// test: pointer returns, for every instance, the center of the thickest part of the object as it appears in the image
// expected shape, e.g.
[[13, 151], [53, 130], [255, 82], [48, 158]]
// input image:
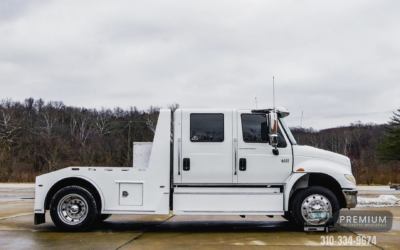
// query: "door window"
[[255, 130], [206, 127]]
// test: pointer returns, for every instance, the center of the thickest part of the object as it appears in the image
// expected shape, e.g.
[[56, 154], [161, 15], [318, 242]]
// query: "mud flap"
[[40, 219]]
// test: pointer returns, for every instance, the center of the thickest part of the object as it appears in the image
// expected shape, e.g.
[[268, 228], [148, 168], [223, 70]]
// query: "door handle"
[[242, 164], [186, 164]]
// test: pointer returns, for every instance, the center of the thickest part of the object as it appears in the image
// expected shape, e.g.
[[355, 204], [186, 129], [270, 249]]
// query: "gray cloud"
[[328, 57]]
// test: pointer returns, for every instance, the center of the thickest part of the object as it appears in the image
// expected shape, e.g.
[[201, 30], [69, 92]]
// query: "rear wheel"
[[315, 205], [73, 208]]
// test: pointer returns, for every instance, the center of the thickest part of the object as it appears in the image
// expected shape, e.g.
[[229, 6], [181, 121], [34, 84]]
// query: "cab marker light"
[[350, 178], [300, 169]]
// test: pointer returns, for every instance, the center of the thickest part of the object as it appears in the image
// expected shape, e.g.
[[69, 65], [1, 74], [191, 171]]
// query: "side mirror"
[[273, 132], [273, 129], [273, 138]]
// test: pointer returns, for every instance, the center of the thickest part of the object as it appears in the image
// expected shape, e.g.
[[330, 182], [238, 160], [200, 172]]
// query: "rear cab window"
[[206, 127]]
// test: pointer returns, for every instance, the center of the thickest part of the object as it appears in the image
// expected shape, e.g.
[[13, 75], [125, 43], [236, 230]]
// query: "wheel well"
[[328, 182], [323, 180], [72, 182]]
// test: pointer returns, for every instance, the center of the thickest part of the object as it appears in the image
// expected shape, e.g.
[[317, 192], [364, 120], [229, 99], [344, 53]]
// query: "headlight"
[[350, 178]]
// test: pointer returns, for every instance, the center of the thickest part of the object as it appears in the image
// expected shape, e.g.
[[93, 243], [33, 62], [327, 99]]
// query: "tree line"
[[39, 137]]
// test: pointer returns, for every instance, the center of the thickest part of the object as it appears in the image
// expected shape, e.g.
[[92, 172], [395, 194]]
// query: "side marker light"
[[300, 169], [350, 178]]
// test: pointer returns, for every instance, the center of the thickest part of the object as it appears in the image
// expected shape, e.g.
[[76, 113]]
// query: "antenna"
[[301, 123], [256, 102], [273, 91]]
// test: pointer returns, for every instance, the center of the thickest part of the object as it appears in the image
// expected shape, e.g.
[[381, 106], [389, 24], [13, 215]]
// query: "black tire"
[[74, 195], [288, 216], [314, 190], [103, 217]]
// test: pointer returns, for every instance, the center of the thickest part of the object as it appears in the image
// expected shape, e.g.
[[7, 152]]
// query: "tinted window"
[[206, 127], [252, 125], [255, 130]]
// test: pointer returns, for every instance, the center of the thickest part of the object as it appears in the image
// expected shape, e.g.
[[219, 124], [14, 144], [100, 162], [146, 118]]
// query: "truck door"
[[255, 161], [207, 146]]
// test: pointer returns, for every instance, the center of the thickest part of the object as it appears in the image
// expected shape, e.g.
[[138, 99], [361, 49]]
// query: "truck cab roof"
[[281, 110]]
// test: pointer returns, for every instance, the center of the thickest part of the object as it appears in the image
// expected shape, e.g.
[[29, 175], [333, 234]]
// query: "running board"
[[177, 212], [229, 201]]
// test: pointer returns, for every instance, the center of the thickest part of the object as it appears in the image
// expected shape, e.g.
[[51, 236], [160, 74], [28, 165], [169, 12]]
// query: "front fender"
[[304, 164], [289, 184]]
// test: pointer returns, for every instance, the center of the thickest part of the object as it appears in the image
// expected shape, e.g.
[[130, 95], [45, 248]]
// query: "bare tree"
[[9, 128], [346, 140], [83, 126], [153, 109], [102, 122], [51, 143], [173, 106]]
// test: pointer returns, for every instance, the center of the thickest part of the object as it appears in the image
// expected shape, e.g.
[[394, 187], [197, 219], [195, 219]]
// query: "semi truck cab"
[[224, 162]]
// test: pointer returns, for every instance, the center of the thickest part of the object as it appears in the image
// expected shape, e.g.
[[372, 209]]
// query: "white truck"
[[224, 162]]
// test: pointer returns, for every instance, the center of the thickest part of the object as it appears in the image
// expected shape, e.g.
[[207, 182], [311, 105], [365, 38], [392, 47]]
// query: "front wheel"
[[73, 208], [315, 205]]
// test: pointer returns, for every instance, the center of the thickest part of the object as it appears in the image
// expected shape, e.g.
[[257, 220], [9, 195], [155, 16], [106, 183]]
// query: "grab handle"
[[235, 148], [179, 156]]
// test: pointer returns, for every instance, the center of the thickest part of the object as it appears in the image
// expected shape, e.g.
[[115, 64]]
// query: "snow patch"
[[383, 200]]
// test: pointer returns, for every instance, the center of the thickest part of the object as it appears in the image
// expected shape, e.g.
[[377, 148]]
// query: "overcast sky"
[[328, 57]]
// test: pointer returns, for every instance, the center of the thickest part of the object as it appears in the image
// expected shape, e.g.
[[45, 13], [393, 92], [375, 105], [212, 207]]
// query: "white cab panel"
[[262, 166], [210, 161]]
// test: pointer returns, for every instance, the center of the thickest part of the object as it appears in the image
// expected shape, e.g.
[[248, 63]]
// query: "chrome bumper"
[[351, 198]]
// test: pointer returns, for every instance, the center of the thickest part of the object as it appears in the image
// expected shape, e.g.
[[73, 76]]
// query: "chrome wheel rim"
[[316, 203], [72, 209]]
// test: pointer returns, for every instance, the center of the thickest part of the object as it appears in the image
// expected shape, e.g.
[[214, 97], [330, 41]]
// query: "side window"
[[255, 130], [206, 127]]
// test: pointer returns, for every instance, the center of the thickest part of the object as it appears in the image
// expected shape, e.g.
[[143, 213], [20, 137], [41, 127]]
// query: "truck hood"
[[307, 151]]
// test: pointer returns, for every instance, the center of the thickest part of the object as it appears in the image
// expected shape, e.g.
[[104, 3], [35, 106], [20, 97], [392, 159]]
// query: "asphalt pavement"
[[177, 232]]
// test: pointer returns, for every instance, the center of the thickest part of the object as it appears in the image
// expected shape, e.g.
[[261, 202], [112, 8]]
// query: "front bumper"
[[351, 198]]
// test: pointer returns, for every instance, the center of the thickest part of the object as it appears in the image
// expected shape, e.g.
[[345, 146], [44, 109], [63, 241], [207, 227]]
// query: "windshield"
[[287, 130]]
